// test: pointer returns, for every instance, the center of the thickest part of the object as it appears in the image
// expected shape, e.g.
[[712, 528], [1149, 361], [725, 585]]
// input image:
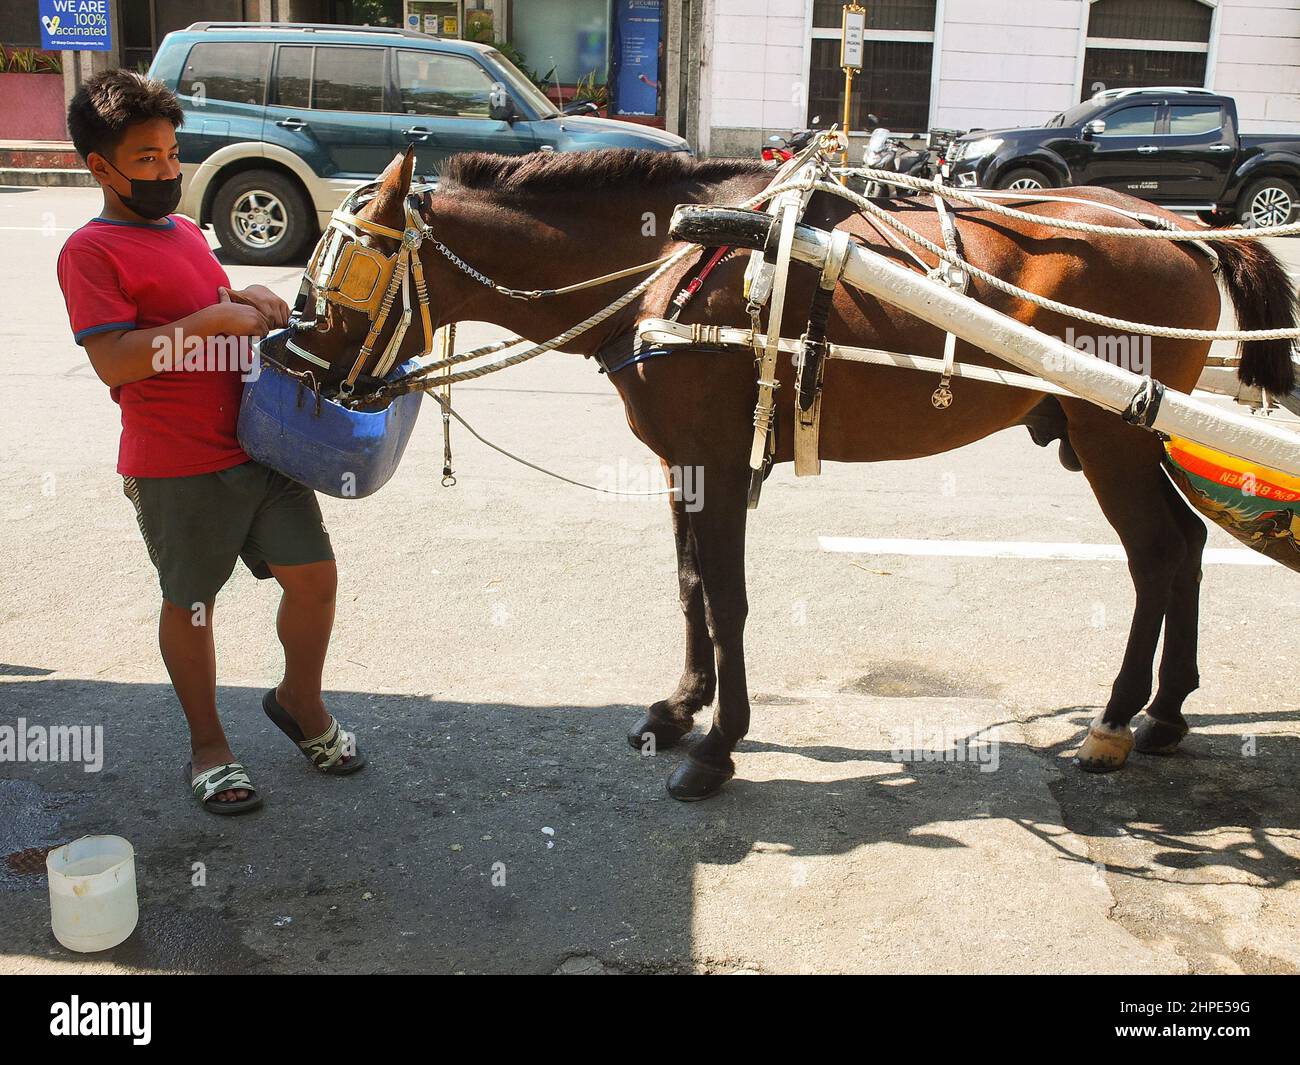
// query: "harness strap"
[[811, 361], [689, 290], [659, 336], [955, 277], [763, 448]]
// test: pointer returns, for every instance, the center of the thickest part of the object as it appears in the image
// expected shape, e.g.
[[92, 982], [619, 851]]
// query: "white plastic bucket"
[[92, 892]]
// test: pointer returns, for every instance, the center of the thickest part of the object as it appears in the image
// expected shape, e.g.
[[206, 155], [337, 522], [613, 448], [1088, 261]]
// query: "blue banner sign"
[[75, 24], [638, 38]]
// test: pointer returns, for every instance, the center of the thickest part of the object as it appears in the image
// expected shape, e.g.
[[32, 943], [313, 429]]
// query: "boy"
[[143, 291]]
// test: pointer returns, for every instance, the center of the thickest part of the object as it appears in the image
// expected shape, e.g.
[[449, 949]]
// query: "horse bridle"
[[362, 278]]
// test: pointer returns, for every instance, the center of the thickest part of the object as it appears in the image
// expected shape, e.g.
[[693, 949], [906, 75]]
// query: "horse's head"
[[362, 308]]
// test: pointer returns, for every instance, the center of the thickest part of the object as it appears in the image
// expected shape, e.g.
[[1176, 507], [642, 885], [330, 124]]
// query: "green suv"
[[283, 120]]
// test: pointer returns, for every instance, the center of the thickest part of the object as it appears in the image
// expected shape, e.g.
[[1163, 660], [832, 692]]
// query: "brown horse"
[[553, 220]]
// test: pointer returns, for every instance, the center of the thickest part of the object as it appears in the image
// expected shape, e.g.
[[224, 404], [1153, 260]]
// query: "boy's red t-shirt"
[[132, 275]]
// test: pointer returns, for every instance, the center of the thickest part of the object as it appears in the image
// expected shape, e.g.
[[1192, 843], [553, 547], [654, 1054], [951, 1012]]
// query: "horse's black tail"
[[1264, 298]]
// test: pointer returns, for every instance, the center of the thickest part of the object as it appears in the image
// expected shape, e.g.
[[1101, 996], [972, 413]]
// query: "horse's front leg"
[[718, 529], [668, 720]]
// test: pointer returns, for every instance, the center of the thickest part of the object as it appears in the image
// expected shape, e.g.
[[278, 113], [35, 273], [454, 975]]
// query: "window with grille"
[[897, 61], [1134, 43]]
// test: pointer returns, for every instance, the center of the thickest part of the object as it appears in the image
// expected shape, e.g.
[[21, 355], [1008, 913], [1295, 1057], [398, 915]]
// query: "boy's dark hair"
[[108, 103]]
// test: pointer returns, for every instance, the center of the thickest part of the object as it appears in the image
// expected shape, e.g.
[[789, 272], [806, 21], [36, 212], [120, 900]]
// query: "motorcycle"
[[783, 149], [886, 152]]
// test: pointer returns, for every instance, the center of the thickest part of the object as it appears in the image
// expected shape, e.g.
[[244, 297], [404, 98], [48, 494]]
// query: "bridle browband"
[[362, 278]]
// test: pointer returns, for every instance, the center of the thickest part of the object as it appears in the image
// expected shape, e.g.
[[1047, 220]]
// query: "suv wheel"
[[1024, 178], [262, 218], [1269, 202]]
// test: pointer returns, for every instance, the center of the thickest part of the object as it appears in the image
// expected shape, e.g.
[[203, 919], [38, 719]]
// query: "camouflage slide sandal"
[[212, 782], [325, 751]]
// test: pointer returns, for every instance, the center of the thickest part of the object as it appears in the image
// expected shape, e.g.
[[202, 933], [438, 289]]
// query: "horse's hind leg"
[[1163, 726], [1122, 465], [668, 720]]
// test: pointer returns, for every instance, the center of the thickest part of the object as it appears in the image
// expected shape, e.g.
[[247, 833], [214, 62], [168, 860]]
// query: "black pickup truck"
[[1176, 147]]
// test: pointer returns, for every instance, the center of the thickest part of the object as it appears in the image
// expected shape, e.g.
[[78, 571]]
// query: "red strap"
[[697, 282]]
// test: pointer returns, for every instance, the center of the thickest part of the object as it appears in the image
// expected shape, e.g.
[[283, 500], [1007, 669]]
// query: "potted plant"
[[587, 91], [31, 95]]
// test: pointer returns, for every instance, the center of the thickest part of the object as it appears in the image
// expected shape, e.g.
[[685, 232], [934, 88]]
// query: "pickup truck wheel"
[[1025, 178], [261, 218], [1270, 201]]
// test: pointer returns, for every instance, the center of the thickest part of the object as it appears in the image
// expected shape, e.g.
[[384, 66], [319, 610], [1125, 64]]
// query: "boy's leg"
[[288, 541], [185, 639], [193, 527], [304, 623]]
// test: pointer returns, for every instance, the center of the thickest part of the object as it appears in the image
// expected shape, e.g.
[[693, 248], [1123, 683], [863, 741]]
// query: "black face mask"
[[151, 199]]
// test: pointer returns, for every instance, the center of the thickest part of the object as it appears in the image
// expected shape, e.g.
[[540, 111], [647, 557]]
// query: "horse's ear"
[[397, 175], [394, 183]]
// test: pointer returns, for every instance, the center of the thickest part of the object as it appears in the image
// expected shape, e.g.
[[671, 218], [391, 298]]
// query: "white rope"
[[665, 264], [948, 192], [549, 345], [1141, 328]]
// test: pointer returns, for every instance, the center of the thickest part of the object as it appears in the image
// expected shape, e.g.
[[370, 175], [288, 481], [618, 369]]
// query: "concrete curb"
[[46, 178]]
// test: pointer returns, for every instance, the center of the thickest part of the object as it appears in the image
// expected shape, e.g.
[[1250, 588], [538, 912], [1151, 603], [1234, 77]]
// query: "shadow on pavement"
[[437, 858]]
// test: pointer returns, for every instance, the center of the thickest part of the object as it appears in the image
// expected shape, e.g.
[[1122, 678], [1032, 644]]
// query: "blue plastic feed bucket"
[[344, 453]]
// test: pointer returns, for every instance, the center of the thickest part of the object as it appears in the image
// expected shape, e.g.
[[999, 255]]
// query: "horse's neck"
[[551, 242]]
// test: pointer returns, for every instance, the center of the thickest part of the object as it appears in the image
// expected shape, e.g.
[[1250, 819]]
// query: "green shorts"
[[195, 527]]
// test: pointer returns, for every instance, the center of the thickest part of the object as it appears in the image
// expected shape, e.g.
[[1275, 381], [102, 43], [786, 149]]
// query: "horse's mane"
[[608, 169]]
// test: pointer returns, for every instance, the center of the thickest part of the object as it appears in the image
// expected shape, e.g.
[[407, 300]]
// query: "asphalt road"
[[496, 639]]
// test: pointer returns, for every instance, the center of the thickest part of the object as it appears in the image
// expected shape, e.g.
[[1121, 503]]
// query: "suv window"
[[348, 79], [1190, 119], [1131, 122], [430, 83], [226, 71], [293, 76]]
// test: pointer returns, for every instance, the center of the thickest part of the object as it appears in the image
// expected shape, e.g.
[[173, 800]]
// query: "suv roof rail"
[[399, 31], [1118, 94]]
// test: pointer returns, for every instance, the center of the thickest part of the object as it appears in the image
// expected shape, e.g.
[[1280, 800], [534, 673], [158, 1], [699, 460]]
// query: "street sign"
[[82, 25], [855, 29]]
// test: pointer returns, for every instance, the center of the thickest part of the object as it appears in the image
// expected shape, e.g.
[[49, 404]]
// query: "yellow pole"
[[848, 99], [855, 10]]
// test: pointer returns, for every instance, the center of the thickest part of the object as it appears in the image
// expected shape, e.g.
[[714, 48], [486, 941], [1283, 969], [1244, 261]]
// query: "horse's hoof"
[[666, 733], [1104, 750], [1158, 737], [692, 781]]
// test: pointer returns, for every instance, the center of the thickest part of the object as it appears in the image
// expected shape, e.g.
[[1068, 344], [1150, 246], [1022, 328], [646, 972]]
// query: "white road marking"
[[1028, 549]]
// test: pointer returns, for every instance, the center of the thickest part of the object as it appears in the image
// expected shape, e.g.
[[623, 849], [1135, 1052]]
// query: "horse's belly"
[[885, 413]]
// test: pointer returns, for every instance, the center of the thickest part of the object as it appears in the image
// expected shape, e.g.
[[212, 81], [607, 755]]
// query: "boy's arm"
[[121, 356]]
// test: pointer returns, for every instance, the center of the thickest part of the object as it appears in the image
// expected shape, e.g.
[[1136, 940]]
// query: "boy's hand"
[[271, 306], [239, 319]]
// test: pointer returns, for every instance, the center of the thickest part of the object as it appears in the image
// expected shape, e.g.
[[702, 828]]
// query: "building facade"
[[769, 66]]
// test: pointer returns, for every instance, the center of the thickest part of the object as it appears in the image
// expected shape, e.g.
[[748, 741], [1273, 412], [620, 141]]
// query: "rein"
[[362, 278]]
